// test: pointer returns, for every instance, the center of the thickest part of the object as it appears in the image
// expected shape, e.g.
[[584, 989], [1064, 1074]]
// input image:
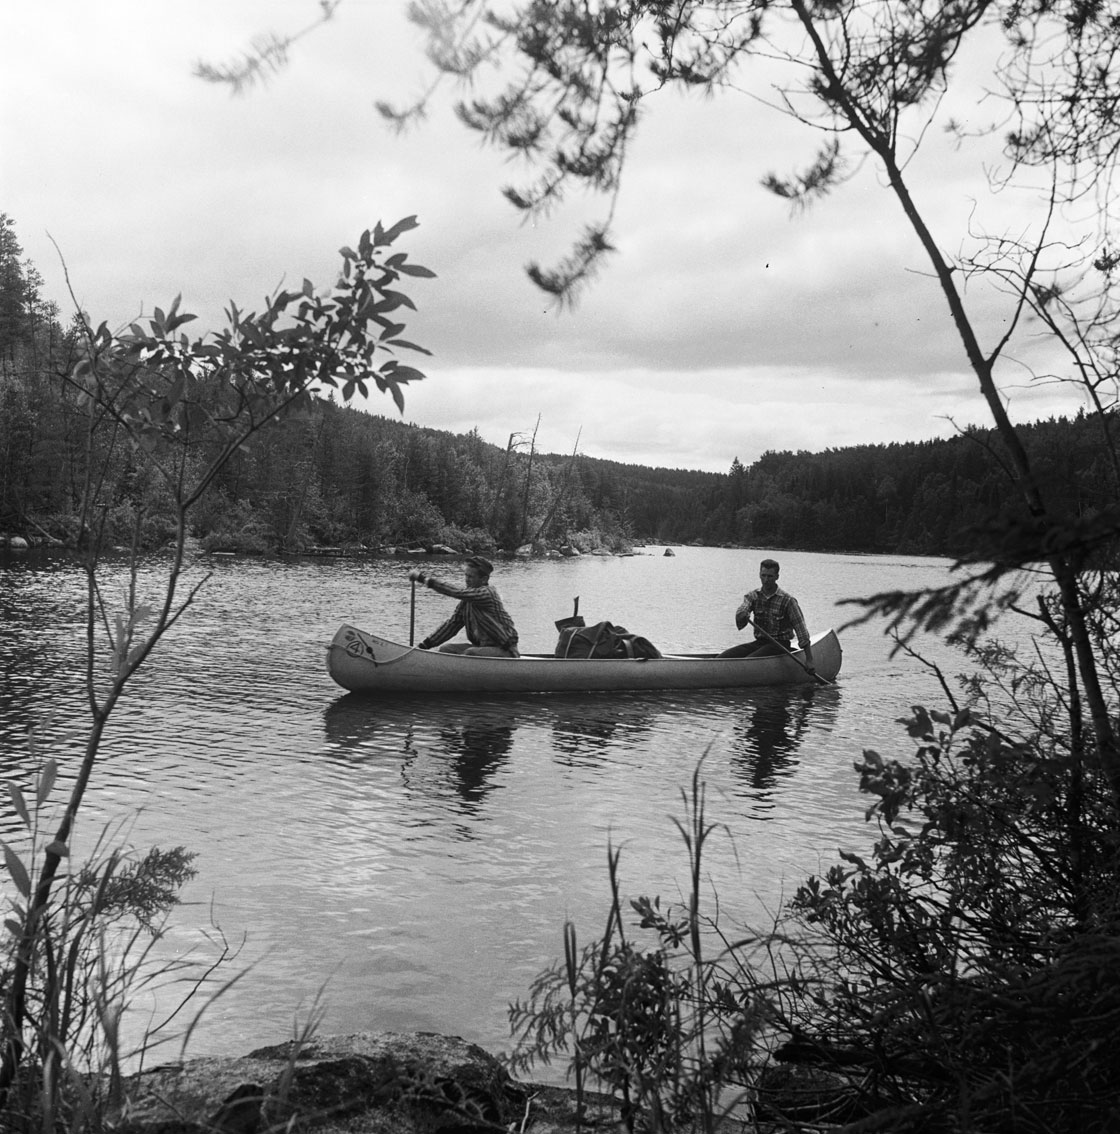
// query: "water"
[[409, 865]]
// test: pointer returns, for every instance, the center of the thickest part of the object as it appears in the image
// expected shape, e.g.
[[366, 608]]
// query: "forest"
[[336, 476]]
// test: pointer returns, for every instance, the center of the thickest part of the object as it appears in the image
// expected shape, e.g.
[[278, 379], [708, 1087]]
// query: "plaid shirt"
[[480, 612], [778, 614]]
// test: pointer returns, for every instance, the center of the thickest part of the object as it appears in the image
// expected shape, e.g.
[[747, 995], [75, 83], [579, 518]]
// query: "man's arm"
[[797, 620], [743, 613], [445, 632], [463, 594], [453, 625]]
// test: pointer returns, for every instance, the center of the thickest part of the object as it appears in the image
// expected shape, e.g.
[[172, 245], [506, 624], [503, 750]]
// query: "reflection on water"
[[455, 745], [423, 854], [440, 743], [769, 733], [476, 751]]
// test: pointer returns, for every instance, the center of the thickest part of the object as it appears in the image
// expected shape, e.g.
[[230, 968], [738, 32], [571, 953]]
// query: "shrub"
[[969, 968], [123, 525], [234, 525], [88, 955], [477, 540]]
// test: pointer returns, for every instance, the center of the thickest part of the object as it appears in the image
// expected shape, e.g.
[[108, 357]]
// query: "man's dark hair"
[[770, 563]]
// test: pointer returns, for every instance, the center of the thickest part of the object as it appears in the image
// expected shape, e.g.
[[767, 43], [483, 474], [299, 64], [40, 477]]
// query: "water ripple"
[[421, 855]]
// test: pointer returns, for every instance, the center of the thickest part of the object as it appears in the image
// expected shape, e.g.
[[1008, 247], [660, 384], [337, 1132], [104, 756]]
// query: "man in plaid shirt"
[[480, 612], [776, 617]]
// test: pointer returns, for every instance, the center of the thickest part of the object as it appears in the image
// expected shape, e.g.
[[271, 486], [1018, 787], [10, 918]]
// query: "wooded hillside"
[[338, 476]]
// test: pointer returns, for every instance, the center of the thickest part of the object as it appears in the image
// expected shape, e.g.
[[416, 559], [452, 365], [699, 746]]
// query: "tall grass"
[[654, 1011], [91, 955]]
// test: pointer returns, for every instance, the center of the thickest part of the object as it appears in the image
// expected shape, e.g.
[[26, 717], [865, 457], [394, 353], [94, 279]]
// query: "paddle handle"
[[412, 616]]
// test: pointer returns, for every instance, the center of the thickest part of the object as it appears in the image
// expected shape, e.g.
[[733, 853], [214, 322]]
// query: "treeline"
[[338, 477], [913, 498]]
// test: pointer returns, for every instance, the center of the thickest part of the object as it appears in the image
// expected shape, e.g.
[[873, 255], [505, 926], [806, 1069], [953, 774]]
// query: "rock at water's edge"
[[387, 1083]]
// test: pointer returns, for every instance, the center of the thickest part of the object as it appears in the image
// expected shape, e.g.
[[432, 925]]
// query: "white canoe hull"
[[365, 663]]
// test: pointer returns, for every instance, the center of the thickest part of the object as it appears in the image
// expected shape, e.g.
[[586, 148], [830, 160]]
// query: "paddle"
[[785, 649], [412, 616]]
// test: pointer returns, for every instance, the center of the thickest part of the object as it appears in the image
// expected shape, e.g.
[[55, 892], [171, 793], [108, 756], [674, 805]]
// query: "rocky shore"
[[412, 1083], [387, 1083]]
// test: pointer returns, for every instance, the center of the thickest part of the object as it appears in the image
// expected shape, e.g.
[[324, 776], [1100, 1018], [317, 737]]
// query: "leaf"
[[871, 759], [416, 270], [57, 848], [19, 803], [46, 781], [919, 725], [13, 927], [18, 871], [387, 236], [402, 373], [392, 300], [404, 343]]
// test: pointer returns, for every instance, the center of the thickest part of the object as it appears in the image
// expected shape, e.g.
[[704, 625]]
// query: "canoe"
[[366, 663]]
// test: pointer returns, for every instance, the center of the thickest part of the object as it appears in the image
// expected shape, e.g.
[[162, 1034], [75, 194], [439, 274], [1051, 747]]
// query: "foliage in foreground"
[[963, 975], [667, 1028], [179, 410], [94, 958], [967, 971]]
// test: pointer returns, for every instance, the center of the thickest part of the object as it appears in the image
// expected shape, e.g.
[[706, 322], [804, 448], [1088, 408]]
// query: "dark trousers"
[[759, 648]]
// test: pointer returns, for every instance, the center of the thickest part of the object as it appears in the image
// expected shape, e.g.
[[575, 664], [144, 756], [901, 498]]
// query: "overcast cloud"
[[724, 327]]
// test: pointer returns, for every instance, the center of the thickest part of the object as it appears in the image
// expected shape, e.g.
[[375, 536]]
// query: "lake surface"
[[411, 863]]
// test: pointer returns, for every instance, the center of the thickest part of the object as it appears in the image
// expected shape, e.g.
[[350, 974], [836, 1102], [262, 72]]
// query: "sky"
[[725, 326]]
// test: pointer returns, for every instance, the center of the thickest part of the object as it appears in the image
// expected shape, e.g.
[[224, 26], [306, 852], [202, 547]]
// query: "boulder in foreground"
[[386, 1083]]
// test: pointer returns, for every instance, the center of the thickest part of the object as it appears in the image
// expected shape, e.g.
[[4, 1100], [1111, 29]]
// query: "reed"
[[633, 1010]]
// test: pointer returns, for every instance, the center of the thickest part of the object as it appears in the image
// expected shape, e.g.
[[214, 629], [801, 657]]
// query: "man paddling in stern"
[[480, 612], [776, 617]]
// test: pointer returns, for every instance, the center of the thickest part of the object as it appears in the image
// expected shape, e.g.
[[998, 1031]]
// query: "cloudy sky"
[[724, 327]]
